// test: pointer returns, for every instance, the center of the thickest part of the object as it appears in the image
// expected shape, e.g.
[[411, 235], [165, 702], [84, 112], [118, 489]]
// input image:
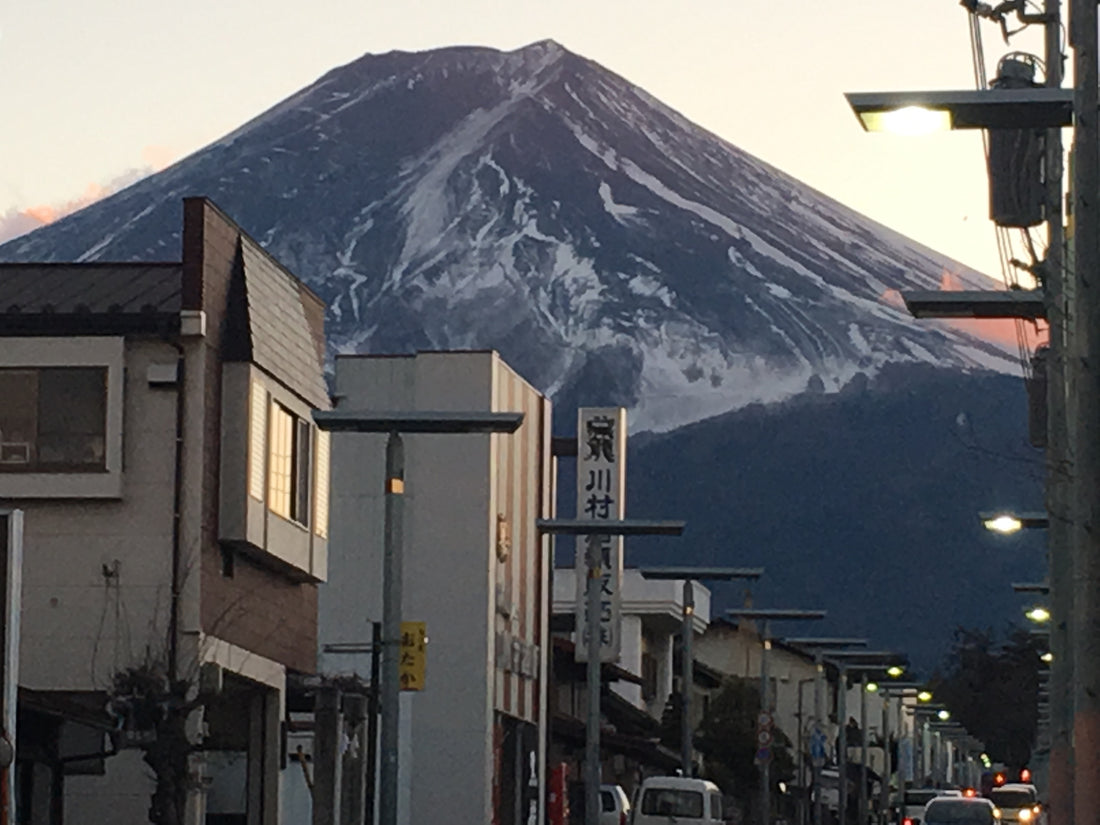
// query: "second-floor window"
[[290, 465], [53, 419]]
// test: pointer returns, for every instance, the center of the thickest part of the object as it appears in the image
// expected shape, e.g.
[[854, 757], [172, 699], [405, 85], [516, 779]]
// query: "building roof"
[[89, 298], [282, 328]]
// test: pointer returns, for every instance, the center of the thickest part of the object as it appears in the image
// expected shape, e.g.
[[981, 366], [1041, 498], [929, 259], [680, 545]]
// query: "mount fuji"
[[536, 203], [615, 254]]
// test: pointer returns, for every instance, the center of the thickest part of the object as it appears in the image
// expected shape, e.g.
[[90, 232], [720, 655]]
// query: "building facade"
[[155, 431], [476, 572], [639, 685]]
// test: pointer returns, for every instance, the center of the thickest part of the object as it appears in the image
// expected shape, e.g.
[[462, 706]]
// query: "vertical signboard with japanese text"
[[601, 490], [414, 655]]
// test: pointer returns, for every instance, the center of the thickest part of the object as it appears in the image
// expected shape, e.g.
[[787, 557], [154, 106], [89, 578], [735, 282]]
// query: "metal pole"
[[819, 713], [592, 769], [862, 818], [328, 729], [842, 747], [687, 677], [391, 628], [884, 789], [372, 722], [765, 707], [900, 735], [1059, 457], [1085, 634], [353, 786], [800, 766]]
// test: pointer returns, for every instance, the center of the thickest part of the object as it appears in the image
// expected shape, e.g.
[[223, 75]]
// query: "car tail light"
[[907, 821]]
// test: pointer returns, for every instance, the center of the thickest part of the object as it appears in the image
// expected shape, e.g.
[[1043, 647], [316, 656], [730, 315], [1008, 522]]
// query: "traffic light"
[[999, 779]]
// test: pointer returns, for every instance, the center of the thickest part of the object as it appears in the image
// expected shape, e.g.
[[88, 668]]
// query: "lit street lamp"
[[1017, 110], [394, 424], [1038, 614], [900, 690], [1008, 523], [863, 661], [764, 753], [816, 740], [690, 575], [593, 585], [924, 112]]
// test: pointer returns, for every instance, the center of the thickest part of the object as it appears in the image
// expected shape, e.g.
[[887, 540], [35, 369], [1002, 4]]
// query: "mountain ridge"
[[606, 231]]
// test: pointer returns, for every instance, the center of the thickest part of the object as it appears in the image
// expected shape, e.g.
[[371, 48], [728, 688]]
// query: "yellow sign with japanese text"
[[414, 654]]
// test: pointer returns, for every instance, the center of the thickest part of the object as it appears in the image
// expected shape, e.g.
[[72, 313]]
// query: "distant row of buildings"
[[193, 549]]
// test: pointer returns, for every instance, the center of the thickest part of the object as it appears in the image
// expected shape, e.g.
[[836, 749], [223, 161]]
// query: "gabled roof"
[[91, 298]]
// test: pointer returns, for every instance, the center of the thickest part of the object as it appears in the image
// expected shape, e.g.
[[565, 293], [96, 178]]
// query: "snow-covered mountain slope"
[[536, 203]]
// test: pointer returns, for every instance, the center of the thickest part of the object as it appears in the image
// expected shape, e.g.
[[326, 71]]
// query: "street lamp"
[[690, 575], [900, 690], [863, 661], [394, 423], [817, 738], [1017, 109], [923, 112], [1038, 614], [1031, 587], [593, 585], [1007, 523], [764, 756]]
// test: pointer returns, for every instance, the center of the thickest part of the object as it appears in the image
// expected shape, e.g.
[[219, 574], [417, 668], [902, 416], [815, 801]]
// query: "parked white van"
[[662, 798]]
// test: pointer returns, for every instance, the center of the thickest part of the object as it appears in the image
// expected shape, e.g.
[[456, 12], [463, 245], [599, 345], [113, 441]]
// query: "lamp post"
[[690, 575], [394, 424], [766, 709], [873, 660], [819, 644], [1067, 491], [900, 690], [593, 583]]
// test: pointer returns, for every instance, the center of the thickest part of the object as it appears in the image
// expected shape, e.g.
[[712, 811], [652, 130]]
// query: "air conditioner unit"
[[15, 452]]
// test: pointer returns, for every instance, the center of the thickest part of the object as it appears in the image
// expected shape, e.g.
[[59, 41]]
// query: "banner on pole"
[[601, 490]]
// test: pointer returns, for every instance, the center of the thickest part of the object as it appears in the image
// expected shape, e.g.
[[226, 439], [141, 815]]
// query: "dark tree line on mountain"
[[726, 737], [991, 687]]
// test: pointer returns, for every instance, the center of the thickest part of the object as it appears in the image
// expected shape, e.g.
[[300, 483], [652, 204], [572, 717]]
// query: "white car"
[[665, 799], [614, 805], [1017, 801]]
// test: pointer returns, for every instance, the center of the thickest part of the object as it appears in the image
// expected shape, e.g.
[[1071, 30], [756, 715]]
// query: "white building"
[[474, 739]]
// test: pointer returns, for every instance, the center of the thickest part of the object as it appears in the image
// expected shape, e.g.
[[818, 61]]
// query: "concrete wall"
[[96, 573], [456, 487]]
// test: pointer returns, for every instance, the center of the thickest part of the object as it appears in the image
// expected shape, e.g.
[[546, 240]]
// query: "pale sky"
[[91, 90]]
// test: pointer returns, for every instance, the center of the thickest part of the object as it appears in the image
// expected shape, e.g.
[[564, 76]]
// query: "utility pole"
[[1058, 454], [1085, 632]]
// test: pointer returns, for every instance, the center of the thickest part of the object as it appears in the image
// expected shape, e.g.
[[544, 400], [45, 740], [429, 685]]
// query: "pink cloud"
[[16, 222]]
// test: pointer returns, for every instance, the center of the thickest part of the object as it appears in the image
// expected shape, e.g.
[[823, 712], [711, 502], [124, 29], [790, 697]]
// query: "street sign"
[[764, 720], [763, 756], [763, 738], [817, 746], [601, 496], [414, 655]]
